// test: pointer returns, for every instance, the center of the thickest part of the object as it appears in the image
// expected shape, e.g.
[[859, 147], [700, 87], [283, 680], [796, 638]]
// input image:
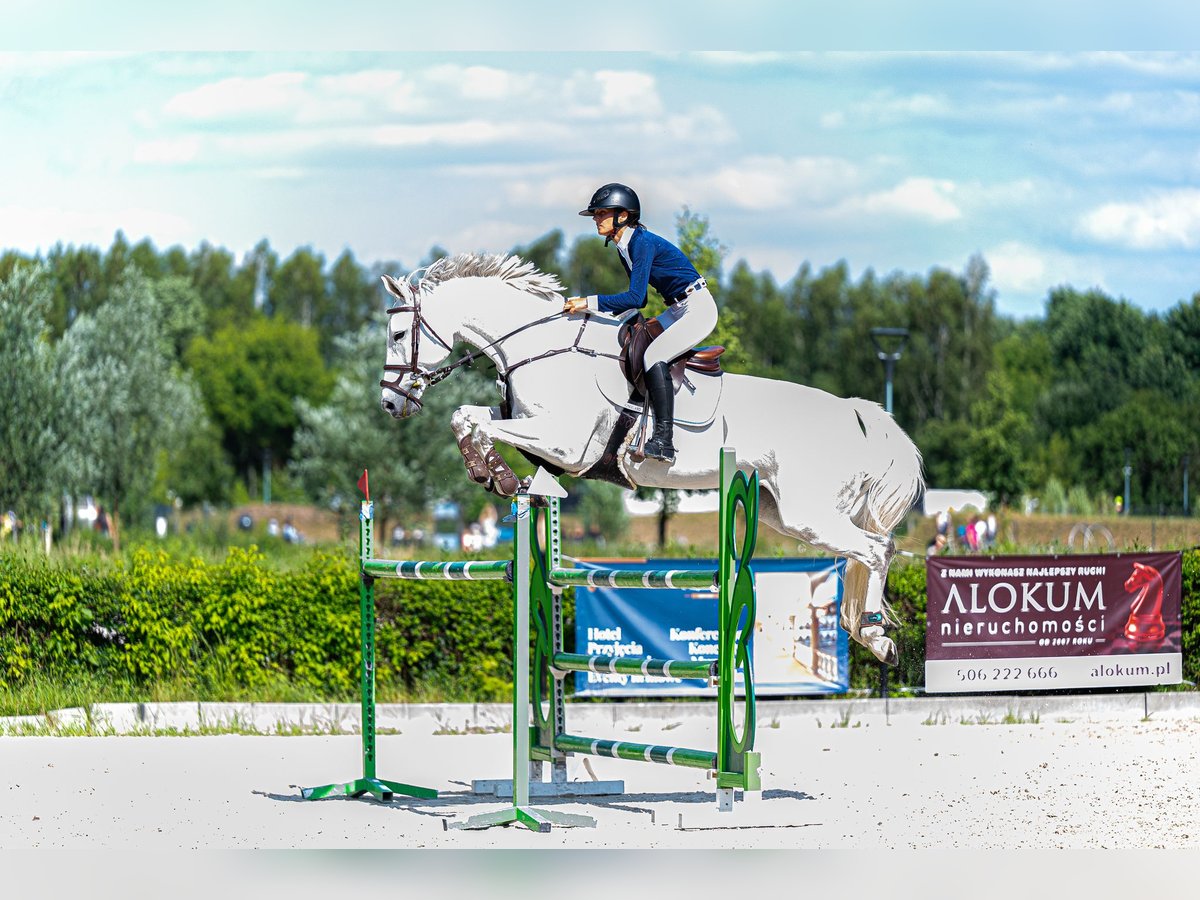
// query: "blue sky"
[[1071, 166]]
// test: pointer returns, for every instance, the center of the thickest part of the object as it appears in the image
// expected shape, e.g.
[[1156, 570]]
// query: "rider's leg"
[[685, 323], [662, 400]]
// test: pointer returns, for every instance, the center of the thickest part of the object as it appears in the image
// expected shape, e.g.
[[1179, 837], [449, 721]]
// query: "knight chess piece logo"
[[1145, 616]]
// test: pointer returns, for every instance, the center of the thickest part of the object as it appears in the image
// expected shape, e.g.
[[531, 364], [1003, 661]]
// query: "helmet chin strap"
[[616, 226]]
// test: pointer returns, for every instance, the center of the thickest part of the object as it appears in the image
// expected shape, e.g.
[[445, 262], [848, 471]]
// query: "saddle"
[[637, 333]]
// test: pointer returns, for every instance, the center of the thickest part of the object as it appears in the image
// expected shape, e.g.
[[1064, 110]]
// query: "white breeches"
[[686, 323]]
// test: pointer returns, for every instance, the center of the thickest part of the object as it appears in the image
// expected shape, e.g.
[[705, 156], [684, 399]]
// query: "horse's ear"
[[396, 288]]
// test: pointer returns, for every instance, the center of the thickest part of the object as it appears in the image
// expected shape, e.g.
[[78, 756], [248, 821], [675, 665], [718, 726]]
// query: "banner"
[[796, 647], [1013, 623]]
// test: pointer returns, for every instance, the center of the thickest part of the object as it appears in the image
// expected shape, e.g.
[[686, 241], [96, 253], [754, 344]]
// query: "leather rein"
[[430, 377]]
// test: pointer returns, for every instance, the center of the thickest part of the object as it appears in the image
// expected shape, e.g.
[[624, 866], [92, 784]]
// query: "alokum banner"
[[1013, 623]]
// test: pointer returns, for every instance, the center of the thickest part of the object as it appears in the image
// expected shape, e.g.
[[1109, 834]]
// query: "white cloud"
[[610, 94], [913, 198], [38, 228], [1019, 268], [278, 93], [1166, 220], [483, 82], [168, 151]]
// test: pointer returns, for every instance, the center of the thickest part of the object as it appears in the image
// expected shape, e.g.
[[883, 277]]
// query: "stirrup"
[[661, 450]]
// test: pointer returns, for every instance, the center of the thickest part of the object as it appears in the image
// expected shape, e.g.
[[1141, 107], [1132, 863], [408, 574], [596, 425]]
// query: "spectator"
[[937, 546]]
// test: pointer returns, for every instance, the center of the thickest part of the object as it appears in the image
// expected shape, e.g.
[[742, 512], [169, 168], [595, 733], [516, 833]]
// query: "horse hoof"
[[882, 646], [885, 651]]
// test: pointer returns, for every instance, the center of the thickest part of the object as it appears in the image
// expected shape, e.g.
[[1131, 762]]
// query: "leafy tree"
[[593, 270], [411, 462], [354, 294], [226, 302], [298, 291], [1158, 434], [78, 284], [707, 254], [996, 460], [251, 377], [546, 253], [31, 468], [602, 508], [126, 399]]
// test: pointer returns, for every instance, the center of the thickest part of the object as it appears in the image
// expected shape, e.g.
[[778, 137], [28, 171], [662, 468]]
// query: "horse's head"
[[414, 349]]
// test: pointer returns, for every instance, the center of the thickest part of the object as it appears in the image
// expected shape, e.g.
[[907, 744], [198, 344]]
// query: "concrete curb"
[[465, 718]]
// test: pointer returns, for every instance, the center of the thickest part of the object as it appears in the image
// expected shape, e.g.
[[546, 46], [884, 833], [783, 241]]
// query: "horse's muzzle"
[[410, 401]]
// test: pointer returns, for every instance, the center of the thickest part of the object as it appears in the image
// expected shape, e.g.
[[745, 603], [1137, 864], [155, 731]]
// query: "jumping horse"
[[838, 474]]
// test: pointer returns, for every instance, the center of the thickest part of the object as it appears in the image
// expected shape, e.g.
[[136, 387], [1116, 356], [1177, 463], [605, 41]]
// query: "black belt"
[[698, 285]]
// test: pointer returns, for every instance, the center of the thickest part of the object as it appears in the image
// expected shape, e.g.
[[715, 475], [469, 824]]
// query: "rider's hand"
[[575, 304]]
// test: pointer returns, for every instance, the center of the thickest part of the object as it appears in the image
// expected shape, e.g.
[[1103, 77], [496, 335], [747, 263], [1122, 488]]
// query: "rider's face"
[[604, 221]]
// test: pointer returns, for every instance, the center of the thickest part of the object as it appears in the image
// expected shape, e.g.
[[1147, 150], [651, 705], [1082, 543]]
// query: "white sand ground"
[[1066, 781]]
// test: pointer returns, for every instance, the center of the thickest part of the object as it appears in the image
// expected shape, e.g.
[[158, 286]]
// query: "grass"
[[1009, 718], [39, 694], [842, 721]]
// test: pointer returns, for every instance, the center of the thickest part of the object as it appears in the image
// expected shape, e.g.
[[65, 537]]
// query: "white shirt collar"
[[623, 244]]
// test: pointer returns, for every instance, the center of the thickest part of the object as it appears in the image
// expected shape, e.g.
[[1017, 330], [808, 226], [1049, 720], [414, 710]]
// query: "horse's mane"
[[522, 275]]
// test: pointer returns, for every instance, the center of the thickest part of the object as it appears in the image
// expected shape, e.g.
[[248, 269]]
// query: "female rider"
[[650, 260]]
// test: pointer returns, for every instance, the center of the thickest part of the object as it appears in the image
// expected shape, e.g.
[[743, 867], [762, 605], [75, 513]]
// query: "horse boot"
[[662, 400]]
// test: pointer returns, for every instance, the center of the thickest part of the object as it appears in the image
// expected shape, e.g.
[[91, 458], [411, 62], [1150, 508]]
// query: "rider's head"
[[616, 204]]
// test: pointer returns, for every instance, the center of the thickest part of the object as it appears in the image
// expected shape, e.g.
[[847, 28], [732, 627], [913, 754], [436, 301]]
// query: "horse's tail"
[[894, 483]]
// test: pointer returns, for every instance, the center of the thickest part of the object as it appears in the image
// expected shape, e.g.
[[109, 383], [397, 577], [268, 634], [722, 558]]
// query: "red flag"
[[362, 485]]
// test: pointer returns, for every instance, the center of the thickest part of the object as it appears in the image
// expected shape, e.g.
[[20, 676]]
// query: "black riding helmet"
[[617, 197]]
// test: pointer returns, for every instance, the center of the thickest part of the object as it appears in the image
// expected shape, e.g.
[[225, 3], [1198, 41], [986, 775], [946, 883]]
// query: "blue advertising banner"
[[797, 645]]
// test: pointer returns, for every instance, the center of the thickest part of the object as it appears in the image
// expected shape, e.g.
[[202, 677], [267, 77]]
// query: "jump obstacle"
[[539, 579]]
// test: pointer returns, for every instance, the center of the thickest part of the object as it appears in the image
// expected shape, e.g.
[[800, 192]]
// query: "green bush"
[[242, 627], [240, 624]]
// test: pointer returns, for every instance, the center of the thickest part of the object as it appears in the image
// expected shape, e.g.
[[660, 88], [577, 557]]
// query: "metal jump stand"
[[369, 783]]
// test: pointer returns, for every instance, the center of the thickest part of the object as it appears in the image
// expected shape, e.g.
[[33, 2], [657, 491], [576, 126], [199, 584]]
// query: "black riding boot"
[[662, 400]]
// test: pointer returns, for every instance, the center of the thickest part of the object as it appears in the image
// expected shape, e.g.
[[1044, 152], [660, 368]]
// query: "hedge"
[[242, 621]]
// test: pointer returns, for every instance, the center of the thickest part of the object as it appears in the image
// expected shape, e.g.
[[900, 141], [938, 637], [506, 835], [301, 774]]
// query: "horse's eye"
[[399, 335]]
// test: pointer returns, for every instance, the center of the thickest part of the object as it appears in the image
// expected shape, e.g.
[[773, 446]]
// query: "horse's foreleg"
[[544, 436], [479, 467]]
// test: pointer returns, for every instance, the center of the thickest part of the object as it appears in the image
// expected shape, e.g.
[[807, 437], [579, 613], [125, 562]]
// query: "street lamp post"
[[1128, 471], [889, 344], [1185, 485]]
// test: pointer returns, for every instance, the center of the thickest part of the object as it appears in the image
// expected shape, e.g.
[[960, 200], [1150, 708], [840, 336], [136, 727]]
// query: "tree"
[[126, 400], [602, 508], [592, 270], [225, 302], [411, 462], [996, 446], [31, 467], [78, 284], [355, 296], [251, 377], [546, 253], [707, 254], [298, 291]]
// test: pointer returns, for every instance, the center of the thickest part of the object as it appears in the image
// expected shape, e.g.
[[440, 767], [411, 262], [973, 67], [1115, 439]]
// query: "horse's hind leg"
[[864, 611]]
